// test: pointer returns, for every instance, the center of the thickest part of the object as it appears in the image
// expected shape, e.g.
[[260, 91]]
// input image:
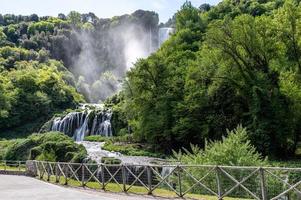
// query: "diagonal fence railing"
[[192, 181]]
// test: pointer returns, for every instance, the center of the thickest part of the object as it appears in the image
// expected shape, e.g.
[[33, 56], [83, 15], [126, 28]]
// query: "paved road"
[[26, 188]]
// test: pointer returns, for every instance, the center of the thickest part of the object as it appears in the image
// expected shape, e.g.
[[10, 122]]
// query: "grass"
[[12, 168], [294, 163], [140, 190]]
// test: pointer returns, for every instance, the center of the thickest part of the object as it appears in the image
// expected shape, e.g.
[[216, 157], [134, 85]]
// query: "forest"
[[236, 64]]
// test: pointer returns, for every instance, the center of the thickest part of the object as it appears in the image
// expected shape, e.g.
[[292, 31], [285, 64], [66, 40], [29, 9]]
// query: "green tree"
[[74, 18], [288, 20], [2, 37], [188, 17], [235, 149]]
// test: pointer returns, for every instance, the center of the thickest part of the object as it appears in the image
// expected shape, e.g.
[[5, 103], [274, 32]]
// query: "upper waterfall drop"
[[92, 119], [164, 34]]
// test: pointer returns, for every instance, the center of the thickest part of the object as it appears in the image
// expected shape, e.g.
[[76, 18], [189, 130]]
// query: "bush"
[[51, 146], [4, 145], [130, 149], [110, 161], [234, 150], [96, 138]]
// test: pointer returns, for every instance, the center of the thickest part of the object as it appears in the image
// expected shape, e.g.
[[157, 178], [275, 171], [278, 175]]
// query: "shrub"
[[51, 146], [235, 149], [130, 149], [96, 138], [4, 145], [110, 161]]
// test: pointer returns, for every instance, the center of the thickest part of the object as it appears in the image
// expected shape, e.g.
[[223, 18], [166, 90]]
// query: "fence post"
[[41, 171], [19, 165], [48, 169], [263, 185], [180, 181], [83, 175], [5, 165], [103, 176], [149, 179], [56, 173], [37, 169], [218, 182], [66, 174], [123, 178]]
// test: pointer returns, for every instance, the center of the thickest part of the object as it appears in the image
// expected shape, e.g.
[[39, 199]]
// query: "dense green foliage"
[[42, 70], [235, 63], [50, 146], [87, 46], [235, 150], [32, 90], [238, 62], [4, 145]]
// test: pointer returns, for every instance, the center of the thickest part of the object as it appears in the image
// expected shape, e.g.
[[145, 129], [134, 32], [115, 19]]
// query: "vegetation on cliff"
[[52, 146], [235, 63]]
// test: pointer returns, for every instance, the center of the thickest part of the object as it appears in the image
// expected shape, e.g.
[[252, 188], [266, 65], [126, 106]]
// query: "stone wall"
[[31, 168]]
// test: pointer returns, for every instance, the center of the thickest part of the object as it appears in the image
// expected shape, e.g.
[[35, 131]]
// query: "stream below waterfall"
[[96, 119], [95, 152]]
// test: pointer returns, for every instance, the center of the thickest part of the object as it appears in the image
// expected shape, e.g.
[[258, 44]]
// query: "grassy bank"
[[114, 187], [125, 145], [12, 168]]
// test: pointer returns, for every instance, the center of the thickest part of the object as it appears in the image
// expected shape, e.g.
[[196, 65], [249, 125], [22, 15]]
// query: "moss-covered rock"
[[51, 146], [119, 120], [110, 161]]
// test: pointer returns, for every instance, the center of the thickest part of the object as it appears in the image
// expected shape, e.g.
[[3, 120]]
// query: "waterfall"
[[164, 34], [166, 171], [82, 130], [91, 120]]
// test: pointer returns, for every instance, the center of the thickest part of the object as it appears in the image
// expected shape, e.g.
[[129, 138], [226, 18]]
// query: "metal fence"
[[12, 166], [191, 181]]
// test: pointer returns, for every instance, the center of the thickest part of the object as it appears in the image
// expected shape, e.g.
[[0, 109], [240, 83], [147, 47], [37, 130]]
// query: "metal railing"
[[180, 180], [12, 166]]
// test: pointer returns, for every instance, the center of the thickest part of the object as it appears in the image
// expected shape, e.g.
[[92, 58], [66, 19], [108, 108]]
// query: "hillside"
[[50, 64], [236, 63]]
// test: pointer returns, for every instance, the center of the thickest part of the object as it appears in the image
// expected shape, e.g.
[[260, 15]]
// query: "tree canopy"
[[235, 63]]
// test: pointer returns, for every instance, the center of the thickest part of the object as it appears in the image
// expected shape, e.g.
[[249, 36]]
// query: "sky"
[[102, 8]]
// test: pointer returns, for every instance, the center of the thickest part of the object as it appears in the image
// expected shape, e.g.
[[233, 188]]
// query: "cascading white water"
[[92, 120], [95, 152], [164, 34], [95, 120], [82, 130]]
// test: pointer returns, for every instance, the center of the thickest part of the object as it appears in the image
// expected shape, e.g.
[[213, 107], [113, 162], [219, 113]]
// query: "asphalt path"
[[27, 188]]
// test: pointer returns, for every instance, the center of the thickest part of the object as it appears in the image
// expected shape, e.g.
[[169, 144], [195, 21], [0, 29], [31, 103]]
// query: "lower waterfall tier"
[[84, 123]]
